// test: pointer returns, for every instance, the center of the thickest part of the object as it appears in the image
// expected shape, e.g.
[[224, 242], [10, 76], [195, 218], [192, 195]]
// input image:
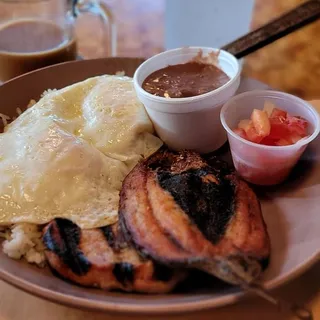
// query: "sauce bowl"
[[193, 122]]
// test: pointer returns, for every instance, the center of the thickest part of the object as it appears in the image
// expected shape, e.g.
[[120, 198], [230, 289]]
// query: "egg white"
[[68, 154]]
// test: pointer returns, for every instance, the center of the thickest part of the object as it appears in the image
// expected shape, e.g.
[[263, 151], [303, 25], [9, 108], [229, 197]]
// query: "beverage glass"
[[38, 33]]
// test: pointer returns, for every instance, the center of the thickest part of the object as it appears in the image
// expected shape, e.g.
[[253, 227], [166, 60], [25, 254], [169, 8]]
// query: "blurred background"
[[292, 64], [147, 27]]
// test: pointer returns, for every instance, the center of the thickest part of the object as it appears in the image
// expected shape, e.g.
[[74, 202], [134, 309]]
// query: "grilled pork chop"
[[101, 258], [180, 210]]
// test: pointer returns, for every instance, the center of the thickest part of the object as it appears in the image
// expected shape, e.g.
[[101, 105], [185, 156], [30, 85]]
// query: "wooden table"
[[291, 64]]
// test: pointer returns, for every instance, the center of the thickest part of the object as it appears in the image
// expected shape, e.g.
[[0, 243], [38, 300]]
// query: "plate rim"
[[147, 308], [125, 308]]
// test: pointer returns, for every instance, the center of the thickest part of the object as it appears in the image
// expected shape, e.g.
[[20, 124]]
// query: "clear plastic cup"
[[261, 164], [194, 122]]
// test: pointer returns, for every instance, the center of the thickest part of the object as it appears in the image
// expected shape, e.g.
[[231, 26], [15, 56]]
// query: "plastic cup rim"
[[265, 94]]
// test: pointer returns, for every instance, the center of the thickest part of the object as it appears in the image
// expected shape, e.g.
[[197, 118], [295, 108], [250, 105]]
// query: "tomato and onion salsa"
[[272, 127], [185, 80]]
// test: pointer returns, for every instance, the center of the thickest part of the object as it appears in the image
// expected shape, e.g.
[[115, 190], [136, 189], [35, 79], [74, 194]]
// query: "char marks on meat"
[[182, 211], [101, 258], [176, 211]]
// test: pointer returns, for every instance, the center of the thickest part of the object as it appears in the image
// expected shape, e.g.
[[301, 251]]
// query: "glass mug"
[[38, 33]]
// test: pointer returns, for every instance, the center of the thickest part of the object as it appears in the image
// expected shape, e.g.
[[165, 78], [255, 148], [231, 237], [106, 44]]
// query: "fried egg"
[[68, 154]]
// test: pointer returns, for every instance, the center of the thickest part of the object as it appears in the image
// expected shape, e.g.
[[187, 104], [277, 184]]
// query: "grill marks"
[[162, 272], [182, 210], [109, 235], [124, 272], [63, 238], [102, 258], [206, 199], [176, 211], [140, 224], [186, 203]]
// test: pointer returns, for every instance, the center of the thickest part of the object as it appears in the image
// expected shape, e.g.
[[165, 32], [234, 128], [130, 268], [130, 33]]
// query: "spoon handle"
[[300, 312], [295, 19], [243, 272]]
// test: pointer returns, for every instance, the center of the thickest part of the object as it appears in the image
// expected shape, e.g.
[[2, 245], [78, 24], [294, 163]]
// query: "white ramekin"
[[194, 122]]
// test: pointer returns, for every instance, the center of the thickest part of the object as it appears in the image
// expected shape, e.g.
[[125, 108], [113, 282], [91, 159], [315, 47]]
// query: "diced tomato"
[[268, 107], [297, 125], [268, 141], [244, 124], [294, 137], [302, 121], [252, 135], [278, 113], [272, 127], [295, 128], [241, 133], [260, 122], [279, 129], [283, 142]]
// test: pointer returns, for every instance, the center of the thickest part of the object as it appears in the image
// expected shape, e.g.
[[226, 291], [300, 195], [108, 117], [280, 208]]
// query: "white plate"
[[290, 211]]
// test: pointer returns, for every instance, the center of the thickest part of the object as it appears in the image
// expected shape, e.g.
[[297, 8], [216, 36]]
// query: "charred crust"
[[62, 237], [221, 168], [126, 235], [109, 236], [123, 272], [162, 272], [208, 202], [207, 192]]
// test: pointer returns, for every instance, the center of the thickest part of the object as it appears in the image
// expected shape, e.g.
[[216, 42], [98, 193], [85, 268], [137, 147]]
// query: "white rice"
[[45, 92], [4, 118], [24, 240], [31, 103], [120, 73], [18, 110]]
